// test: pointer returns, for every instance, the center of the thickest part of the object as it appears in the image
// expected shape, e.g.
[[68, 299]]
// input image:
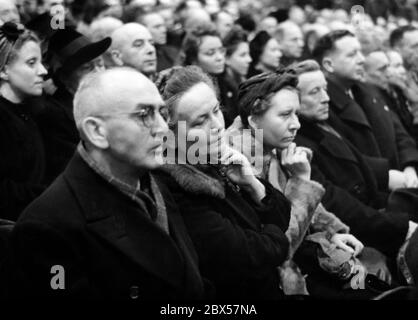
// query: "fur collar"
[[195, 180]]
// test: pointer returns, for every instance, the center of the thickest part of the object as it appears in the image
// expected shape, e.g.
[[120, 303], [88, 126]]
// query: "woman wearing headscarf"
[[265, 54], [22, 160], [236, 221], [270, 102]]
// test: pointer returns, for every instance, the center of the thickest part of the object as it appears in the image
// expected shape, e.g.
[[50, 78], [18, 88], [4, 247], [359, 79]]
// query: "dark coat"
[[398, 103], [351, 190], [59, 131], [372, 129], [240, 244], [228, 84], [22, 159], [108, 245]]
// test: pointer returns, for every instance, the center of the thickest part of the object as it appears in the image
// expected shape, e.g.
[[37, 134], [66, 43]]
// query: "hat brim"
[[85, 54]]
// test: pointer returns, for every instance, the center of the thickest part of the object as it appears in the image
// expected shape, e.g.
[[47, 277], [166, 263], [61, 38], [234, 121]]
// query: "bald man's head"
[[110, 91], [290, 37], [9, 12], [133, 46], [118, 113], [376, 66]]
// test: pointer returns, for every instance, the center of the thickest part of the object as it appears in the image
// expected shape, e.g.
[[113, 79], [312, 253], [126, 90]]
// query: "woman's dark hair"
[[233, 39], [255, 94], [257, 46], [180, 80], [12, 38], [193, 40]]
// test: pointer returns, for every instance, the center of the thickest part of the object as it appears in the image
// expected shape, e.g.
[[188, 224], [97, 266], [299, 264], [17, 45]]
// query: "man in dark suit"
[[357, 112], [352, 190], [106, 228]]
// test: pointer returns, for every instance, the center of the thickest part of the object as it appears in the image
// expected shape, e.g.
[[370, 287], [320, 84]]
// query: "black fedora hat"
[[69, 49]]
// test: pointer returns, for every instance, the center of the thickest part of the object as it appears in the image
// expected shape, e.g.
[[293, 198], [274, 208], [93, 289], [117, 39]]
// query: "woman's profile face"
[[270, 58], [280, 122], [25, 74], [211, 55], [240, 59], [198, 114]]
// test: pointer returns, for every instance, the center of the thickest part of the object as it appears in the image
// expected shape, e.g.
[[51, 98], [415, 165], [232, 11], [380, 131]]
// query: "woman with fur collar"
[[236, 221]]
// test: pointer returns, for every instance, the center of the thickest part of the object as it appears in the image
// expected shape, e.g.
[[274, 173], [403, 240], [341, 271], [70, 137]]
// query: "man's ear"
[[328, 64], [116, 57], [95, 132], [252, 122], [4, 75]]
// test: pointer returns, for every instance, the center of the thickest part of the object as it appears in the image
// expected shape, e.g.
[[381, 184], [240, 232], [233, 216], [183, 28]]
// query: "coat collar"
[[206, 180], [344, 106], [196, 181], [335, 146], [116, 219]]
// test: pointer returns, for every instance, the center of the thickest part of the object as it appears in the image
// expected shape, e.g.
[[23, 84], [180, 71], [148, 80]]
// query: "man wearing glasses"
[[106, 228]]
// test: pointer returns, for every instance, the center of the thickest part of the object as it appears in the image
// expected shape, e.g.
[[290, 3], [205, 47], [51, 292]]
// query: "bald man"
[[290, 38], [106, 228], [376, 67], [133, 46], [9, 12], [390, 77]]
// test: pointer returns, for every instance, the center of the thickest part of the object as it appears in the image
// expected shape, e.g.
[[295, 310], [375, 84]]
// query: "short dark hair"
[[397, 35], [326, 44], [193, 40], [233, 39], [255, 94], [181, 80]]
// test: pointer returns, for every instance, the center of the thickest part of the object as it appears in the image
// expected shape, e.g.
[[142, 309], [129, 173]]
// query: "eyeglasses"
[[146, 115]]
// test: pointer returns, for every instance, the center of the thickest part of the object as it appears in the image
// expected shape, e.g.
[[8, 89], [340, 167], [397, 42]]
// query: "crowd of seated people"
[[208, 150]]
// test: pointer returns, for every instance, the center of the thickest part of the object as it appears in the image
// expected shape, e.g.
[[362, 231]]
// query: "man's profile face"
[[157, 27], [292, 43], [314, 97], [138, 51], [9, 12], [409, 43], [347, 59], [377, 69], [135, 141]]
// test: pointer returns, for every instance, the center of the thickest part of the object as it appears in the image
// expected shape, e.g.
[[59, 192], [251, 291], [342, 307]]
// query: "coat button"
[[134, 292], [357, 189]]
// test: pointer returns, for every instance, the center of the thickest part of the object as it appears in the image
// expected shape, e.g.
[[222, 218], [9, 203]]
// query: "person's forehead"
[[395, 57], [291, 31], [29, 49], [210, 42], [311, 79], [347, 43], [153, 18], [197, 100], [7, 5], [285, 98], [140, 33]]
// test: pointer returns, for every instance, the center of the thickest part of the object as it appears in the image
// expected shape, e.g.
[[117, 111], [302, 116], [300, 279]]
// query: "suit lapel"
[[117, 220], [346, 108]]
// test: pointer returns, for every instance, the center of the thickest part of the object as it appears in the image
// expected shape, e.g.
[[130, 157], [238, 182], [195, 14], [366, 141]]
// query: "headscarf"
[[255, 90], [9, 35]]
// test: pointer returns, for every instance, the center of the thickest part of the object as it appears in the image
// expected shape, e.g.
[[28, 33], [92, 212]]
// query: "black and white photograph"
[[209, 157]]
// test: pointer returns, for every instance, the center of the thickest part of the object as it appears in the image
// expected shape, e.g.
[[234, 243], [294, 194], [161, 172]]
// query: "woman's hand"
[[238, 169], [296, 161], [348, 243]]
